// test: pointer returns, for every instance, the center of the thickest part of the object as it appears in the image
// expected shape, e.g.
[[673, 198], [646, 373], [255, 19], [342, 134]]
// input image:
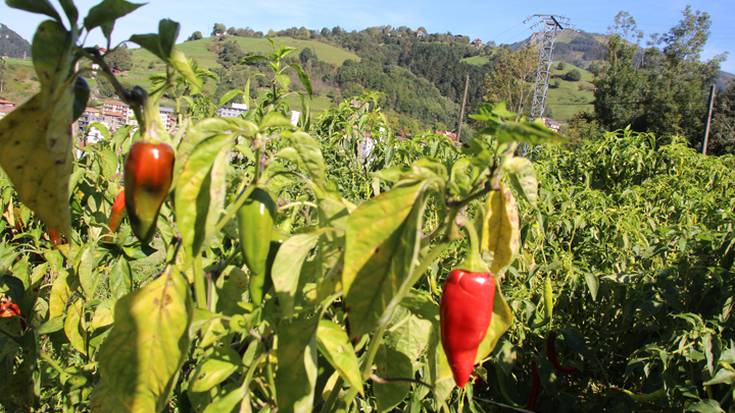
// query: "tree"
[[120, 58], [218, 29], [662, 90], [230, 54], [195, 36], [722, 135], [511, 78], [573, 75]]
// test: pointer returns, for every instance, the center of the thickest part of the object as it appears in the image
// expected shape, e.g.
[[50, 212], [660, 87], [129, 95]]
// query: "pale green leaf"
[[287, 267], [140, 359], [200, 192], [297, 364], [392, 364], [382, 247], [215, 369], [335, 346]]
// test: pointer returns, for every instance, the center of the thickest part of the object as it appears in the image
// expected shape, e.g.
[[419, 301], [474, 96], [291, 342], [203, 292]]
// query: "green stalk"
[[474, 261], [200, 290]]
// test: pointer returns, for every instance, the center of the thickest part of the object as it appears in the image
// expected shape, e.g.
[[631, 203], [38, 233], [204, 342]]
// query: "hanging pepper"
[[553, 356], [466, 310], [148, 175], [8, 308], [118, 208], [255, 224]]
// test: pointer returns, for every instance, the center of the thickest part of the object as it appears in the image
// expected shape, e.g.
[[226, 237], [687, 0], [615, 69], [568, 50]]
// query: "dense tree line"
[[661, 88], [402, 91]]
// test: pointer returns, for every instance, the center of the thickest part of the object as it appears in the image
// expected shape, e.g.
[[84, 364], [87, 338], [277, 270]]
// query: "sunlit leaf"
[[297, 364], [500, 229], [335, 346], [140, 359]]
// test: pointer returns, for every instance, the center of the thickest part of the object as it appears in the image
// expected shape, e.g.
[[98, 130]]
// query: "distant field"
[[476, 60], [198, 50], [568, 100]]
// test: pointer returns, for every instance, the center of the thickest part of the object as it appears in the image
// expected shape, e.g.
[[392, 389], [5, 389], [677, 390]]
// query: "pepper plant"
[[243, 277]]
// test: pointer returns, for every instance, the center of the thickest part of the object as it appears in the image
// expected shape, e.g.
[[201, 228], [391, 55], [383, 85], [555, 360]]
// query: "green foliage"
[[573, 76], [637, 240], [663, 91]]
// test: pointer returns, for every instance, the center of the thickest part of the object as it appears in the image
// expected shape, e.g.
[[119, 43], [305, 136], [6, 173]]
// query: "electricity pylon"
[[549, 26]]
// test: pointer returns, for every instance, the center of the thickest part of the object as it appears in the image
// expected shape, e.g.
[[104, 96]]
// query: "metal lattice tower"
[[547, 26]]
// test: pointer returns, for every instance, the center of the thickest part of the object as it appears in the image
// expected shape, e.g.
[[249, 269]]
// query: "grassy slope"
[[20, 80], [568, 99]]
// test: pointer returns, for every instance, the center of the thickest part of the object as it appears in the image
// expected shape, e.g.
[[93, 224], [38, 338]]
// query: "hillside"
[[11, 44], [200, 50]]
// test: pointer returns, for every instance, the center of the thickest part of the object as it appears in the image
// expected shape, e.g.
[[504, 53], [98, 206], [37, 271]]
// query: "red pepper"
[[465, 311], [118, 208], [55, 237], [535, 388], [554, 358], [148, 176], [8, 308]]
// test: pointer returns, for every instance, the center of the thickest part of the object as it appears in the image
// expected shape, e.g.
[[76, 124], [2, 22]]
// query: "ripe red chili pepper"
[[465, 311], [148, 175], [118, 208], [535, 387], [8, 308], [55, 237], [554, 358]]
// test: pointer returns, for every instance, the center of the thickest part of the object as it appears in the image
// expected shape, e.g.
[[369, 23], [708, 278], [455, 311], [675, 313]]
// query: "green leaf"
[[60, 293], [303, 77], [500, 229], [287, 267], [705, 406], [140, 359], [723, 376], [179, 62], [297, 364], [200, 191], [501, 320], [168, 32], [214, 369], [35, 6], [392, 364], [73, 327], [150, 42], [52, 325], [121, 278], [87, 272], [593, 284], [411, 333], [372, 224], [275, 120], [382, 247], [70, 10], [50, 51], [105, 13], [522, 177], [35, 139], [335, 346]]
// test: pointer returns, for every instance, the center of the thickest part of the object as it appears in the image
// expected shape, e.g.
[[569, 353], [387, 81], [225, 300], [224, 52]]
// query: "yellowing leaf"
[[500, 229], [73, 328], [140, 359], [499, 324], [335, 346]]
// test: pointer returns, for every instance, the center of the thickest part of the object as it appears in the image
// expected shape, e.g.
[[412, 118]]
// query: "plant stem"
[[200, 290], [329, 403]]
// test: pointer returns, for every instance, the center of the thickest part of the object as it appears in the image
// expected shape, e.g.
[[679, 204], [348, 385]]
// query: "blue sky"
[[500, 21]]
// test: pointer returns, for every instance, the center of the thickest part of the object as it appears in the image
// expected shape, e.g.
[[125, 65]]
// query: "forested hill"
[[419, 75], [11, 44]]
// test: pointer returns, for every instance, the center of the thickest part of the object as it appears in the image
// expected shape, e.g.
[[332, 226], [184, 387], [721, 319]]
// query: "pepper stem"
[[473, 262]]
